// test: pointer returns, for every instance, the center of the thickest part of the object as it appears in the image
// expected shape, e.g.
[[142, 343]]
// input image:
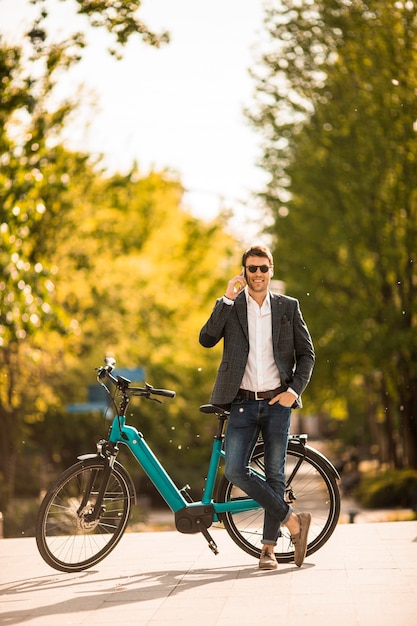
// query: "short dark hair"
[[261, 251]]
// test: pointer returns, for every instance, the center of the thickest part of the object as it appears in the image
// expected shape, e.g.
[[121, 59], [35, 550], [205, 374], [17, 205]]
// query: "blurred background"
[[143, 147]]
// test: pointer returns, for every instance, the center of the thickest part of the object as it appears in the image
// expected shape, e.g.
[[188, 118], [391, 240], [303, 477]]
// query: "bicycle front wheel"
[[67, 538], [310, 481]]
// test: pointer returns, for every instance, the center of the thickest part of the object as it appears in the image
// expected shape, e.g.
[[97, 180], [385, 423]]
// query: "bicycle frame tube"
[[212, 472], [236, 506], [134, 440]]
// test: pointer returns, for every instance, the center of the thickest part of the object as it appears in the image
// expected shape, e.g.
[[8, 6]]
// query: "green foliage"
[[336, 105], [393, 488]]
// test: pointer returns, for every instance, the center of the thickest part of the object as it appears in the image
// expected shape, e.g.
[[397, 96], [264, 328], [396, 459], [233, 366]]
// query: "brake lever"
[[147, 395]]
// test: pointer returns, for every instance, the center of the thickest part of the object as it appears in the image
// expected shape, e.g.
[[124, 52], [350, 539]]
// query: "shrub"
[[389, 489], [20, 517]]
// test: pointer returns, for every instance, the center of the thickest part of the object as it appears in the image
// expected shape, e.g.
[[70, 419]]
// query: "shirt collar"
[[251, 302]]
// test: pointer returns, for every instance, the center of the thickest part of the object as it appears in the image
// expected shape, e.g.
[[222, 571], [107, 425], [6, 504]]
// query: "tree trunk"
[[389, 427], [409, 424], [7, 458]]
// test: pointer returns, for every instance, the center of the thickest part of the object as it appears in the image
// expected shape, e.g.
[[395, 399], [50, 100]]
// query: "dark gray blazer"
[[293, 347]]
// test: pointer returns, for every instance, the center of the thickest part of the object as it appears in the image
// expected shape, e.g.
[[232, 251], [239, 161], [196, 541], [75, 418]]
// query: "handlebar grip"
[[167, 393]]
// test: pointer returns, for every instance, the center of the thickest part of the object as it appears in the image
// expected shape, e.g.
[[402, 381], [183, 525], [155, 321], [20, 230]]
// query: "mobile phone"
[[238, 286]]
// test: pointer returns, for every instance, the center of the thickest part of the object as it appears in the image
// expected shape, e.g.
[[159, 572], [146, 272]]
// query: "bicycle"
[[85, 512]]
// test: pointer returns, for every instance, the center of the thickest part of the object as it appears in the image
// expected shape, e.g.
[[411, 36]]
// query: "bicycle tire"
[[315, 489], [66, 540]]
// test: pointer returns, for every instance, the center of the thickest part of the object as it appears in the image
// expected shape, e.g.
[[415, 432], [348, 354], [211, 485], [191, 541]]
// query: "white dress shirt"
[[261, 373]]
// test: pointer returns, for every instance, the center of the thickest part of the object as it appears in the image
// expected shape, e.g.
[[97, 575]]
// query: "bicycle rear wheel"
[[312, 482], [66, 537]]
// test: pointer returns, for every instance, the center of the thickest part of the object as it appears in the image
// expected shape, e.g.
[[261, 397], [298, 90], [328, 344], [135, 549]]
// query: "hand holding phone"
[[235, 286]]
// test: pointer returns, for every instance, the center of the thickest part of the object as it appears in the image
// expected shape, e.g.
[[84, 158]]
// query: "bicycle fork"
[[92, 515]]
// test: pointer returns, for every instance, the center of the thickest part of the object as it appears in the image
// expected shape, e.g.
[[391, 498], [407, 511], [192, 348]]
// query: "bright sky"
[[179, 107]]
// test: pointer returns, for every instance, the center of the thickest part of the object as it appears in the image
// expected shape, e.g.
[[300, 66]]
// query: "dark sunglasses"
[[253, 268]]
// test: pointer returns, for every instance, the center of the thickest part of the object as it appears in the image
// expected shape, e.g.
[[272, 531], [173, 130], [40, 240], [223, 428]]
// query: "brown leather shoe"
[[299, 540], [267, 560]]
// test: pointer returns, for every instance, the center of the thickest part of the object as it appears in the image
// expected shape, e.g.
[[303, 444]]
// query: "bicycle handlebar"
[[105, 371], [167, 393]]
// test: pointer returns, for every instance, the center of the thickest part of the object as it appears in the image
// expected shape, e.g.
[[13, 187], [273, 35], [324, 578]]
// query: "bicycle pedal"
[[213, 547], [210, 541]]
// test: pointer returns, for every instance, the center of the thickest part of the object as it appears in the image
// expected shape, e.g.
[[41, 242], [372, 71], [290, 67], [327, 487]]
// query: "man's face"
[[258, 281]]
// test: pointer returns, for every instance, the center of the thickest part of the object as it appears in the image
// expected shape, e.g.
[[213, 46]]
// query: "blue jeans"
[[247, 419]]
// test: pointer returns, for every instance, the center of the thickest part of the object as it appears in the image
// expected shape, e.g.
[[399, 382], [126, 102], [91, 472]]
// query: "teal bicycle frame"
[[135, 441]]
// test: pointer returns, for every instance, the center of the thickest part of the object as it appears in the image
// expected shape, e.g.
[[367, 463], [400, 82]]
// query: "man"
[[268, 358]]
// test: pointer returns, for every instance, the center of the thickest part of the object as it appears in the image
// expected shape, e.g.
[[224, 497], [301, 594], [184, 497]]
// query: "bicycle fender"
[[85, 457], [325, 460], [120, 468]]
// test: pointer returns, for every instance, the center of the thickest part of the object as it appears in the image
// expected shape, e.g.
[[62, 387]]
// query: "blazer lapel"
[[276, 307], [242, 313]]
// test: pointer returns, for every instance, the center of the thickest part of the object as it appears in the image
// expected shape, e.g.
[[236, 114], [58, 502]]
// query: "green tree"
[[92, 263], [336, 106], [34, 202], [32, 172], [143, 276], [119, 19]]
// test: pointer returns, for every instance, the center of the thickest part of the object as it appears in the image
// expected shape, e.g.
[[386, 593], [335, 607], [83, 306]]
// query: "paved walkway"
[[366, 575]]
